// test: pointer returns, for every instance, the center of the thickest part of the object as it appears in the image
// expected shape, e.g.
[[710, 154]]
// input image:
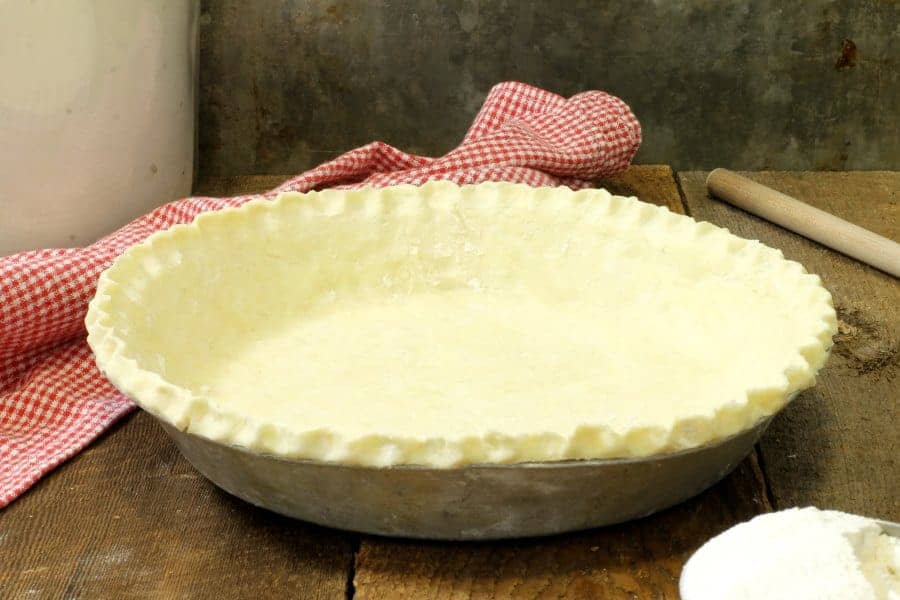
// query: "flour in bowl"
[[796, 554]]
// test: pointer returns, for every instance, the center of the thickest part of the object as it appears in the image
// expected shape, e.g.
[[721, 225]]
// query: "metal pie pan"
[[477, 502]]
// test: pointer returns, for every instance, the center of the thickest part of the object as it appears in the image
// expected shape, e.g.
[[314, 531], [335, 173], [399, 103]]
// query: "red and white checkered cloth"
[[54, 401]]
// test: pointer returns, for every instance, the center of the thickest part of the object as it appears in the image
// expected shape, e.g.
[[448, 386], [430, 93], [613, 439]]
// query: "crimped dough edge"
[[201, 416]]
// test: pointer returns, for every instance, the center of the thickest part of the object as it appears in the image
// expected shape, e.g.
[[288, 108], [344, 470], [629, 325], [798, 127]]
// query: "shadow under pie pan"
[[476, 502], [475, 362]]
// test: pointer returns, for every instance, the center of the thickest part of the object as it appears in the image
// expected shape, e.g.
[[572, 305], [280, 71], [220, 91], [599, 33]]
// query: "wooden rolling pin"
[[825, 228]]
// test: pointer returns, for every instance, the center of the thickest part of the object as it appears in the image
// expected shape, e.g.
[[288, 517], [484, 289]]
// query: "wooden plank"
[[642, 559], [837, 445], [650, 183], [234, 186], [130, 518]]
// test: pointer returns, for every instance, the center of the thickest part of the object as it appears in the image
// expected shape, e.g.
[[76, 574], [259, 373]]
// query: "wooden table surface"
[[130, 518]]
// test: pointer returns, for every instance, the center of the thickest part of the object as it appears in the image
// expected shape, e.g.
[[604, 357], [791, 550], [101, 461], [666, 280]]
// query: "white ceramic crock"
[[97, 115]]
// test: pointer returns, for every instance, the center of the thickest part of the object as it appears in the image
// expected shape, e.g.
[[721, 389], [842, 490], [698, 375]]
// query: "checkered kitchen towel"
[[54, 401]]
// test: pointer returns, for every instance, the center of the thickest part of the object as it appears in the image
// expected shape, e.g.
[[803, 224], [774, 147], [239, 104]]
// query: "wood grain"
[[234, 186], [641, 560], [638, 560], [130, 518], [837, 445]]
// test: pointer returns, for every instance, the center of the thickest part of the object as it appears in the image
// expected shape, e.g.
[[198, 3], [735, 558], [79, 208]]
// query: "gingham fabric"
[[54, 401]]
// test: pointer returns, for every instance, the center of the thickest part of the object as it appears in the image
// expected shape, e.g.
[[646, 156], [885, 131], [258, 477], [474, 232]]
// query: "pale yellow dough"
[[445, 326]]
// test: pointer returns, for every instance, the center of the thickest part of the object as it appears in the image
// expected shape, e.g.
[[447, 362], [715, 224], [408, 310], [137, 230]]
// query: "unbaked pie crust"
[[445, 325]]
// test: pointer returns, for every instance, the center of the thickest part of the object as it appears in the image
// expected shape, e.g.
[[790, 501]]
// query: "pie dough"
[[445, 325]]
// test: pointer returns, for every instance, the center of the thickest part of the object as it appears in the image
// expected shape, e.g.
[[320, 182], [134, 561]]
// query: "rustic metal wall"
[[286, 84]]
